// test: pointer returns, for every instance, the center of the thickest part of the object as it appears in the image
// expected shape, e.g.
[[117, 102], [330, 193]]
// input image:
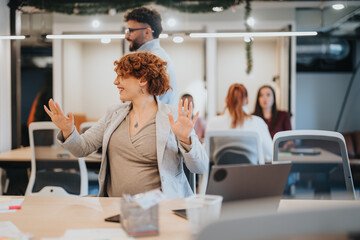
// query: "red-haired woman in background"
[[266, 109], [234, 117]]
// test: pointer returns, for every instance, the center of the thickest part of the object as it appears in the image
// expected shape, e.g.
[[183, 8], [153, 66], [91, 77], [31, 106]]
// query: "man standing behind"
[[143, 27]]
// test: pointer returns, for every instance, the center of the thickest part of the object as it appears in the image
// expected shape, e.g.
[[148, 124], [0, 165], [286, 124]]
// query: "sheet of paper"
[[6, 202], [96, 232], [9, 231], [93, 234]]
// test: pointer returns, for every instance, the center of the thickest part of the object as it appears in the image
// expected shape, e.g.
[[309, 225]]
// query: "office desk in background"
[[21, 157], [52, 216], [322, 162], [17, 161], [325, 162]]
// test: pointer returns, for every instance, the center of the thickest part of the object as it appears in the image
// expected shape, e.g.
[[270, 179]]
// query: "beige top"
[[133, 166]]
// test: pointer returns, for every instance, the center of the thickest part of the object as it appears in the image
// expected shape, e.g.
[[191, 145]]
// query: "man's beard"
[[135, 46]]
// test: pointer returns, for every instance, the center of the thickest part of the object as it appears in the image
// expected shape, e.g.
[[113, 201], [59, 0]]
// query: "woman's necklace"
[[136, 121]]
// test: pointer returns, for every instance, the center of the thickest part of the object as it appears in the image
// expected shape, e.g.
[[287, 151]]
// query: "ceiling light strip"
[[93, 36], [252, 34], [20, 37], [86, 36]]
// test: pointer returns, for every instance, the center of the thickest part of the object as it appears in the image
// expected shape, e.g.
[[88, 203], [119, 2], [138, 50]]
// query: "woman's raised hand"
[[184, 124], [64, 123]]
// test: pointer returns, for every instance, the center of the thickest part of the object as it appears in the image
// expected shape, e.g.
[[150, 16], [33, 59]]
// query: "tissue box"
[[138, 222]]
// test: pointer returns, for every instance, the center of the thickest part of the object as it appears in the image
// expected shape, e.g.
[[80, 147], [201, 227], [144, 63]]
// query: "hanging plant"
[[248, 48], [102, 7], [197, 6], [86, 7]]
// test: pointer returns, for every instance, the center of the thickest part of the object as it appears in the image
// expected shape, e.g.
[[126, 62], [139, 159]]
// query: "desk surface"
[[24, 155], [52, 216], [324, 157]]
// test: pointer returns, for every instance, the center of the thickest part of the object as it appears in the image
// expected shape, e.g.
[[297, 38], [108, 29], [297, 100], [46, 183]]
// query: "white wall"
[[5, 84], [231, 64], [98, 76], [319, 99], [188, 59], [88, 71], [73, 83], [89, 75]]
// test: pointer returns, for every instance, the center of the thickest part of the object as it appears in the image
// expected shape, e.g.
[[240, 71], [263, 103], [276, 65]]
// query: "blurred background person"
[[234, 117], [200, 124], [266, 108]]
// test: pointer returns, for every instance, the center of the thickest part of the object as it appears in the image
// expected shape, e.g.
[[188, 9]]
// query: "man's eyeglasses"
[[130, 30]]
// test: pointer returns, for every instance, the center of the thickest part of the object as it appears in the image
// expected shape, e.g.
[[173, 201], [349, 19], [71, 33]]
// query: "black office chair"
[[232, 154], [191, 177]]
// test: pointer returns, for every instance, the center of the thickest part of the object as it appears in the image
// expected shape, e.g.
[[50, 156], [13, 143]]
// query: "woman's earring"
[[142, 90]]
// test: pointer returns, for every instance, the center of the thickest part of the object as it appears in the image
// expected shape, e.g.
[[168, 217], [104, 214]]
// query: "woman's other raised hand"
[[64, 123]]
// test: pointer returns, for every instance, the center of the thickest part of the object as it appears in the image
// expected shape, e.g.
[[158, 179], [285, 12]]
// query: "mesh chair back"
[[51, 164], [320, 163], [234, 147], [231, 147]]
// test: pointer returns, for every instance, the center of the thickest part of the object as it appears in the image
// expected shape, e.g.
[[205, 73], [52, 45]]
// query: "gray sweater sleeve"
[[81, 145]]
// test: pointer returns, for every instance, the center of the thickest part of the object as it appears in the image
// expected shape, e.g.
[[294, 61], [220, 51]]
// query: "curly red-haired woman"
[[143, 146]]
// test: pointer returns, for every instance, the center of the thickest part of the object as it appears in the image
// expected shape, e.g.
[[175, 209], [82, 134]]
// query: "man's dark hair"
[[186, 95], [146, 15]]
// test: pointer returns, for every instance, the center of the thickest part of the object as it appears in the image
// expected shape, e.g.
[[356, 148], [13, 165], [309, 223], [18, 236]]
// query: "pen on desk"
[[10, 207]]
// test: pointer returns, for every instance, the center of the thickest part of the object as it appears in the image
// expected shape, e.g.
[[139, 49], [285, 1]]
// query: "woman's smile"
[[121, 89]]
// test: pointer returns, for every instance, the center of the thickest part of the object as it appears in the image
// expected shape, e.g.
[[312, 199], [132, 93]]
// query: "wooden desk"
[[52, 216], [17, 161]]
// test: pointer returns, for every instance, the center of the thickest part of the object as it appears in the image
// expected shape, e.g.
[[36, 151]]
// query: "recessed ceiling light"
[[112, 11], [250, 21], [86, 36], [248, 39], [218, 9], [338, 6], [105, 40], [95, 23], [178, 39], [171, 22]]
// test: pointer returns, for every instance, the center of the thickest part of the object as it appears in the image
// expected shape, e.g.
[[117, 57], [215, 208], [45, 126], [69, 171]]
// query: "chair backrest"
[[231, 147], [234, 146], [320, 157], [53, 167], [191, 177]]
